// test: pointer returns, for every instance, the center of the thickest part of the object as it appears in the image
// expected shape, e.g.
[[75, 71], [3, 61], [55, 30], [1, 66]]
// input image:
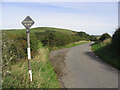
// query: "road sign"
[[27, 22]]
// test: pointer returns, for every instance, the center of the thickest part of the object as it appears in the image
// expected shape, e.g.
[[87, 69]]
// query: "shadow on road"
[[97, 59]]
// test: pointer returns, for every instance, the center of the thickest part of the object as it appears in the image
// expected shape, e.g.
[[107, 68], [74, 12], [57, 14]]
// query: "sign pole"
[[29, 54], [28, 22]]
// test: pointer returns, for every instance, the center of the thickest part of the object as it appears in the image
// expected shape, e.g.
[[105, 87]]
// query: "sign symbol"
[[27, 22]]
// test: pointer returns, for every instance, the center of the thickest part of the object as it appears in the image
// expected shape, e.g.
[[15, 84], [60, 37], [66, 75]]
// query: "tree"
[[84, 35], [104, 36], [93, 38], [116, 39]]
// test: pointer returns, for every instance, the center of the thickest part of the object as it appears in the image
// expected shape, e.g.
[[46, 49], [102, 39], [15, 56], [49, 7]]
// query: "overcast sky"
[[92, 17]]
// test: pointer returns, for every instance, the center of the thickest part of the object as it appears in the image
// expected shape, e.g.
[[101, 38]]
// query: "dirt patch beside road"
[[57, 58]]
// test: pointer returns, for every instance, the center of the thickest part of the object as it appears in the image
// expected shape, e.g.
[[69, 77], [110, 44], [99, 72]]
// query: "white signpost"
[[28, 22]]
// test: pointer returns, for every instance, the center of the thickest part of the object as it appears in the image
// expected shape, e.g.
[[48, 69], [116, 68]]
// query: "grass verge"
[[72, 44], [107, 53], [16, 76]]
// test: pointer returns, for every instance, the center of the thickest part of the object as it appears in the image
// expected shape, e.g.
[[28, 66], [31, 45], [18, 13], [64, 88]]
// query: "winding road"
[[83, 69]]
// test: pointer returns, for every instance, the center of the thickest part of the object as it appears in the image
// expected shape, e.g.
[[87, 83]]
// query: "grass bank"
[[107, 53], [72, 44], [16, 76]]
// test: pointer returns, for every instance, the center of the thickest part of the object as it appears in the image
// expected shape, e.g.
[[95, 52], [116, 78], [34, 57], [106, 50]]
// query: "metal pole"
[[29, 55]]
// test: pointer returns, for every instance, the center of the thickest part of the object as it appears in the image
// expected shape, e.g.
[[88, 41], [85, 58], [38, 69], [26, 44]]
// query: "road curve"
[[84, 70]]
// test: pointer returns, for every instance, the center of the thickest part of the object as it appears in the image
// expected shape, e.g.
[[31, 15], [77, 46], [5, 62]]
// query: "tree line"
[[56, 39]]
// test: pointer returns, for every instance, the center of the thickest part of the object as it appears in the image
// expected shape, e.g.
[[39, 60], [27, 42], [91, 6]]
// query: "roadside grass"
[[17, 76], [72, 44], [107, 53]]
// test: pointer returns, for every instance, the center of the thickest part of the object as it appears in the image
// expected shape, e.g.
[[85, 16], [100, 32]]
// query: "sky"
[[94, 18]]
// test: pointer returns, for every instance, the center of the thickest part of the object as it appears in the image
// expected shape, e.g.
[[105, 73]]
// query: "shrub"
[[56, 39], [93, 38], [116, 40], [106, 42], [84, 35], [104, 36], [14, 47]]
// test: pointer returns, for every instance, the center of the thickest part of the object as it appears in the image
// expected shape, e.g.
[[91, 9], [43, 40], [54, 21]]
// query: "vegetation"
[[15, 41], [59, 39], [16, 76], [73, 44], [14, 47], [116, 40], [106, 49], [14, 54], [86, 36], [104, 37]]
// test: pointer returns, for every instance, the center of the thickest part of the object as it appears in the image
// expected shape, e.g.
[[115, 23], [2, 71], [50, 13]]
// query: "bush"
[[93, 38], [14, 47], [56, 39], [116, 40], [84, 35], [104, 36]]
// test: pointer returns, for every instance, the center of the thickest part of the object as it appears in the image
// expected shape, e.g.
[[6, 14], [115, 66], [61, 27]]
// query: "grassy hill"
[[40, 29]]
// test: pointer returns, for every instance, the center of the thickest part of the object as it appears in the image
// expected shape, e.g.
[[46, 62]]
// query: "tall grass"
[[16, 76], [106, 42]]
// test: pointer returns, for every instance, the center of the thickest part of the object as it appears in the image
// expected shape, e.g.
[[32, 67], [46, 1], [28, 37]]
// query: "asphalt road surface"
[[85, 70]]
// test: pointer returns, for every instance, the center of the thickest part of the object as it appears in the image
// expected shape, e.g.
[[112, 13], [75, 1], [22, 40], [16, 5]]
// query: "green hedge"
[[116, 40], [14, 47], [55, 39]]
